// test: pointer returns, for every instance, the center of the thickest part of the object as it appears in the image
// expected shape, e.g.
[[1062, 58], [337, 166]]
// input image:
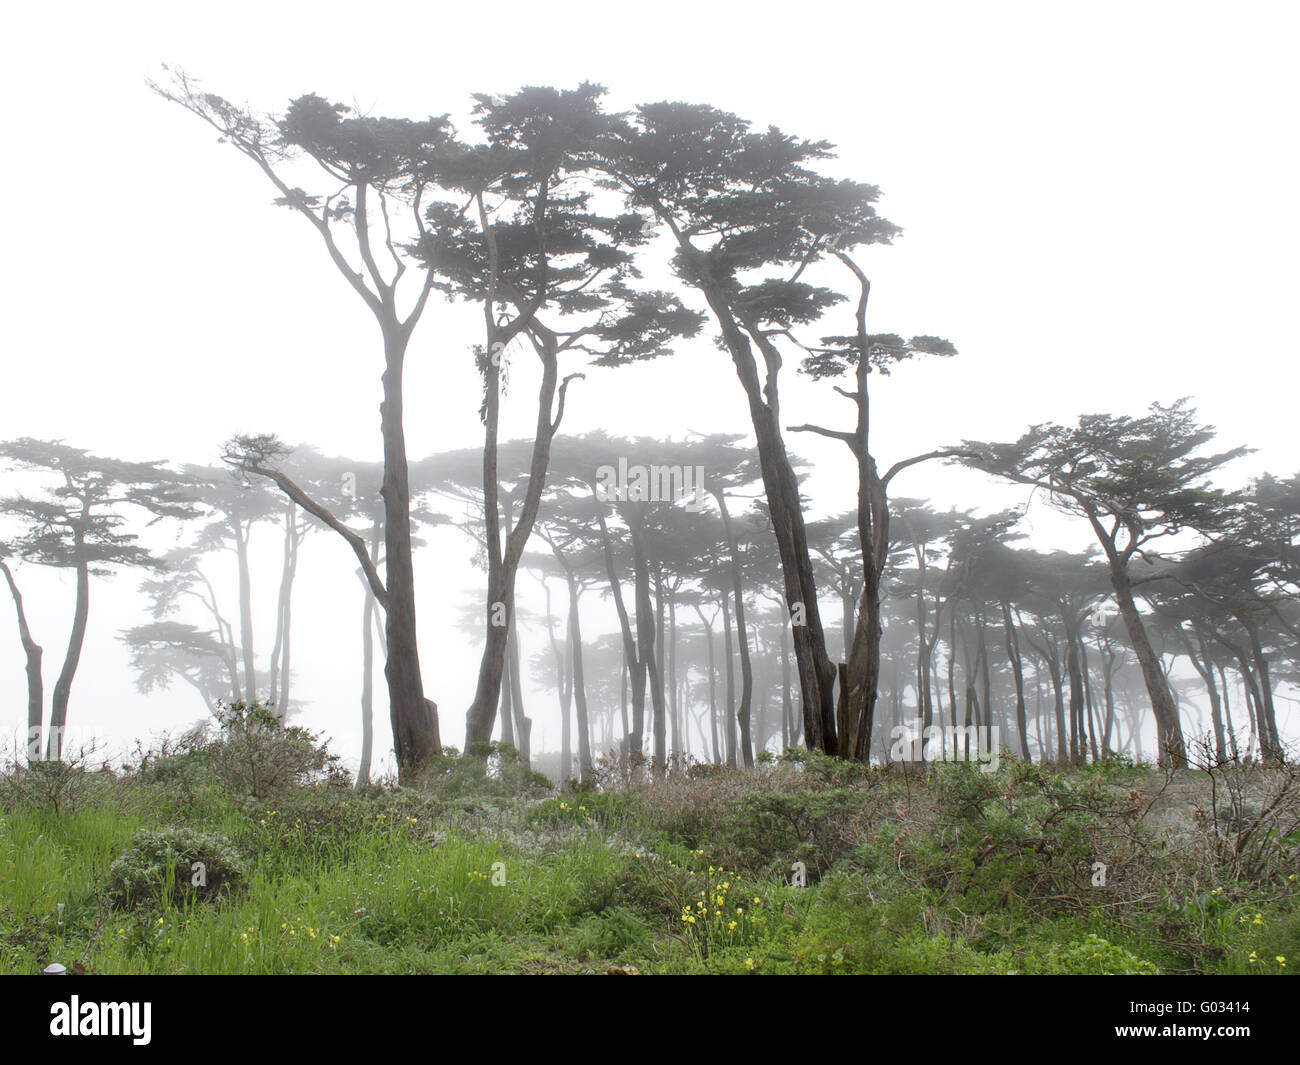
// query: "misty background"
[[1097, 208]]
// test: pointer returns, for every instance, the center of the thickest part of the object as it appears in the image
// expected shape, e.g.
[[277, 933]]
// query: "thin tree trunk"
[[273, 683], [63, 686], [787, 710], [523, 723], [285, 673], [33, 652], [564, 689], [1018, 675], [730, 731], [742, 636], [1272, 744], [1076, 690], [579, 685], [675, 737], [1227, 716], [367, 688], [242, 535], [507, 714]]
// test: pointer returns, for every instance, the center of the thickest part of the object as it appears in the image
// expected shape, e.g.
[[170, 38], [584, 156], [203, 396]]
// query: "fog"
[[1097, 210]]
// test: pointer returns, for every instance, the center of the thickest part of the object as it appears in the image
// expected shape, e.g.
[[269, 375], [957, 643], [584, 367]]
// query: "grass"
[[951, 871]]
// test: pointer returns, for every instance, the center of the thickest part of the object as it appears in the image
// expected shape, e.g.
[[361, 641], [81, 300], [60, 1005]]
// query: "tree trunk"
[[1270, 740], [675, 707], [579, 685], [504, 566], [713, 687], [35, 685], [646, 674], [414, 717], [1227, 715], [1205, 668], [633, 738], [523, 723], [285, 675], [1090, 707], [63, 686], [1076, 692], [1173, 751], [787, 709], [367, 687], [564, 689], [242, 535], [924, 693], [1018, 674], [742, 636], [277, 699], [507, 714], [952, 665], [730, 732]]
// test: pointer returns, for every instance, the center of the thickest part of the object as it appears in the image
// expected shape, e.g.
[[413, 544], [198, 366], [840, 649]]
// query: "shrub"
[[60, 785], [493, 769], [256, 754], [175, 864]]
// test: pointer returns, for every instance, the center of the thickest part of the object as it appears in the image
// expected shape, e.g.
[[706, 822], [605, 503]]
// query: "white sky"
[[1098, 204]]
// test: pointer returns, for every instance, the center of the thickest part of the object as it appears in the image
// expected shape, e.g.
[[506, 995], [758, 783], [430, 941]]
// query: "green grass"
[[906, 876]]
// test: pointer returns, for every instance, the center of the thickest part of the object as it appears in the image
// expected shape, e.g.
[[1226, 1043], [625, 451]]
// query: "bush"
[[176, 864], [257, 754], [1023, 836], [60, 785], [800, 809], [485, 769]]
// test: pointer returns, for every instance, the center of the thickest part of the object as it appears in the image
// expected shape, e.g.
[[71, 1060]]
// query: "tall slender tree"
[[374, 175]]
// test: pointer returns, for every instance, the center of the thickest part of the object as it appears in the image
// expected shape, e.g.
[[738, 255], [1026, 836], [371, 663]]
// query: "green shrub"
[[1025, 836], [176, 865], [256, 754], [485, 769], [1094, 956]]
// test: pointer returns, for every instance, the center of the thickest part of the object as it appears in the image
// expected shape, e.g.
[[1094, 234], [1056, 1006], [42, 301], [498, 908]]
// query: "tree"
[[375, 173], [924, 530], [183, 578], [32, 652], [76, 523], [233, 510], [342, 485], [549, 268], [1136, 481], [161, 650], [738, 204], [860, 353]]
